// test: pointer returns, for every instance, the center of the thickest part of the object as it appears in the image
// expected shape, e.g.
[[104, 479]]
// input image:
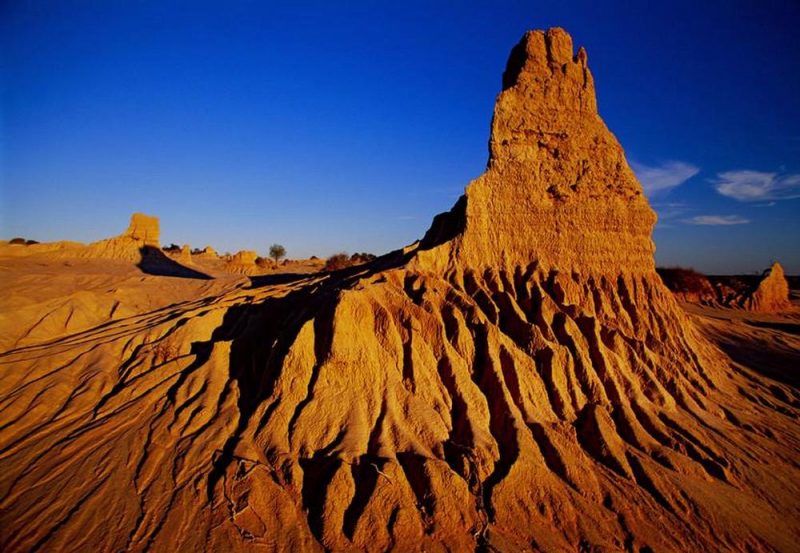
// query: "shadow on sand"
[[155, 262]]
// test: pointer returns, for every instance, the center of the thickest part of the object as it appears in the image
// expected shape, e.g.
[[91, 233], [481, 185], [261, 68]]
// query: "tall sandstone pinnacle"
[[557, 189], [519, 380]]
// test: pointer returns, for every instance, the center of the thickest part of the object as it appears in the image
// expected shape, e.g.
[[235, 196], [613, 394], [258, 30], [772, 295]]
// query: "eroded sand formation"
[[141, 236], [772, 293], [243, 262], [520, 379], [768, 293]]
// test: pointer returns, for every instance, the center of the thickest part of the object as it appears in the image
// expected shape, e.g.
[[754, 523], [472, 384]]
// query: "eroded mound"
[[520, 379], [772, 293], [142, 235]]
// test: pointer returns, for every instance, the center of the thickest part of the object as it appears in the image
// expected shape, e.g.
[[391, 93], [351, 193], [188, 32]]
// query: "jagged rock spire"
[[557, 190]]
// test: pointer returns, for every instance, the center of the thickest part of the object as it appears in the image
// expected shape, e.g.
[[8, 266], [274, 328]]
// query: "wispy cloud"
[[717, 220], [668, 212], [657, 179], [757, 186]]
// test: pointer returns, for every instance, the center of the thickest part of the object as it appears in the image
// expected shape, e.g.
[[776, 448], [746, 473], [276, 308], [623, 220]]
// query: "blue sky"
[[329, 128]]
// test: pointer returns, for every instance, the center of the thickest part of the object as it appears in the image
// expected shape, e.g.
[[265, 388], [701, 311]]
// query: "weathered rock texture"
[[772, 293], [141, 236], [208, 253], [520, 379], [243, 262], [143, 228], [186, 254]]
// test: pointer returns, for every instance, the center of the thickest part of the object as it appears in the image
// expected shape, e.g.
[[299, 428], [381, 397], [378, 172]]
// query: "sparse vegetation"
[[337, 261], [172, 248], [22, 241], [684, 279], [358, 258], [342, 260], [277, 252]]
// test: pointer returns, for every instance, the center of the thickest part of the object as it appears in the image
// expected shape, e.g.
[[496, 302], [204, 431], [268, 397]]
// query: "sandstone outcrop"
[[186, 254], [772, 293], [141, 235], [140, 239], [243, 262], [520, 379], [143, 228], [767, 294], [208, 253]]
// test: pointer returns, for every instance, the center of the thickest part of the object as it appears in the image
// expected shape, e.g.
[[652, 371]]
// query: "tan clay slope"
[[519, 380]]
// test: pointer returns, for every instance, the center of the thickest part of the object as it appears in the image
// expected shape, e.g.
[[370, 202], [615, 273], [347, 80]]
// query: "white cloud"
[[717, 220], [664, 177], [757, 186]]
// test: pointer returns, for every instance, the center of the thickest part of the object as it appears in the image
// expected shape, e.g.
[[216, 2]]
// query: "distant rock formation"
[[243, 262], [208, 253], [186, 255], [143, 229], [140, 239], [141, 235], [772, 293]]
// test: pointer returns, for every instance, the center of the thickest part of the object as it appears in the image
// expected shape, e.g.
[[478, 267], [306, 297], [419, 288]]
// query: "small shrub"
[[358, 258], [337, 261], [17, 240], [172, 248], [684, 280]]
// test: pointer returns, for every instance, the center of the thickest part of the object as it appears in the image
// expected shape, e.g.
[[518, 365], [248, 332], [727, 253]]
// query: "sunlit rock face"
[[557, 189], [144, 228]]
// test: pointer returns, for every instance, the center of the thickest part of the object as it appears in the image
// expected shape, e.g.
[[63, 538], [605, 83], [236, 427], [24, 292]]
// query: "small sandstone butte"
[[520, 379], [772, 293], [144, 228], [243, 262], [140, 239]]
